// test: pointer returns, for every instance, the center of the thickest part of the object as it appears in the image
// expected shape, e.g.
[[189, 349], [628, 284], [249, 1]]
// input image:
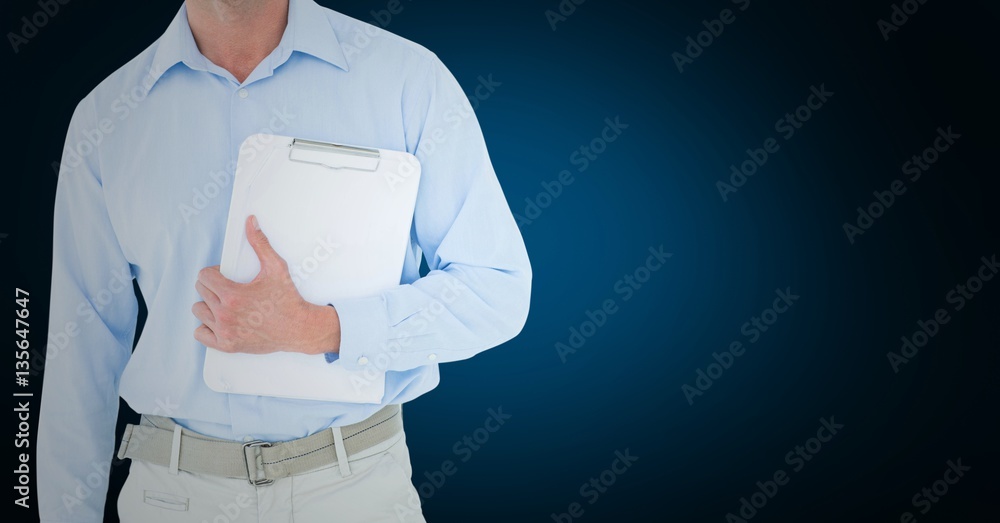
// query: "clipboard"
[[340, 215]]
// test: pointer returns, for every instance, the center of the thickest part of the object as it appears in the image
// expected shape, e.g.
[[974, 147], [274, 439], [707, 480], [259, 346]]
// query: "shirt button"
[[432, 357], [362, 361], [244, 93]]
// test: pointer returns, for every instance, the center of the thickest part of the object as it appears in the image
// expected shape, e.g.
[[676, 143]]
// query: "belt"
[[161, 441]]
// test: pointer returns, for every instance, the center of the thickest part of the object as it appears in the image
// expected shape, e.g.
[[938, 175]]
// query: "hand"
[[265, 315]]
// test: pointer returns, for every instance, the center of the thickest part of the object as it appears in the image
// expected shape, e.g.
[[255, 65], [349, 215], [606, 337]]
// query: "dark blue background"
[[655, 185]]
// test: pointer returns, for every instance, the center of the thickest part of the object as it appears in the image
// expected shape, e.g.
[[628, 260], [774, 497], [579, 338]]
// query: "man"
[[143, 193]]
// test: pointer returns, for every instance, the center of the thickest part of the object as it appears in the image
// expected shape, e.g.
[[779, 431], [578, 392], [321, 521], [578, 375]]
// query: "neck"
[[237, 34]]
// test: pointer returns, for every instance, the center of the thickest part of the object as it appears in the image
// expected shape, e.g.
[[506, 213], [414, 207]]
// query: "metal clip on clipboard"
[[334, 156]]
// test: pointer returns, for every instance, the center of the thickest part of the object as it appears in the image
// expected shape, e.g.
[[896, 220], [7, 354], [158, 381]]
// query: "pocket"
[[398, 458], [399, 453], [401, 495], [378, 489], [164, 500], [139, 504]]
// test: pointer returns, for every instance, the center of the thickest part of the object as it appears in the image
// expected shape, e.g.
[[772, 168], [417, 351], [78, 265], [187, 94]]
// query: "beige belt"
[[159, 440]]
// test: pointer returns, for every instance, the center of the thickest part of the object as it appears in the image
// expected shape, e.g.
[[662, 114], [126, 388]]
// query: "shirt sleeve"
[[92, 320], [477, 292]]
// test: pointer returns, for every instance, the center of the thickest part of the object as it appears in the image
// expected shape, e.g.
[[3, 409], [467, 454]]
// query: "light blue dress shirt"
[[143, 191]]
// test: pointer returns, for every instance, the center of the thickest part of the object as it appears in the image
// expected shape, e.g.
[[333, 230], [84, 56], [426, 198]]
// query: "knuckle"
[[224, 318], [228, 300]]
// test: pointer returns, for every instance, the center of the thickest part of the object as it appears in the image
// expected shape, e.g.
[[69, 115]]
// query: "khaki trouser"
[[378, 489]]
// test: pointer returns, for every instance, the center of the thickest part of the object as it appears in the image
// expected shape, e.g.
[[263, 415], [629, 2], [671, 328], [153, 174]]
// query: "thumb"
[[269, 258]]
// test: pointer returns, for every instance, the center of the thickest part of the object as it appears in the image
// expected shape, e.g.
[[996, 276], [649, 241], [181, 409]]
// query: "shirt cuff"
[[364, 330]]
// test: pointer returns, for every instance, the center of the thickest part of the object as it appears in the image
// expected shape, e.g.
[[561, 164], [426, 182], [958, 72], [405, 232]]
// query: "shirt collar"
[[308, 31], [311, 33]]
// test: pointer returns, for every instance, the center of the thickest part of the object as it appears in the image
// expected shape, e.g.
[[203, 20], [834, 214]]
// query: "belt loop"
[[175, 450], [338, 445], [125, 439]]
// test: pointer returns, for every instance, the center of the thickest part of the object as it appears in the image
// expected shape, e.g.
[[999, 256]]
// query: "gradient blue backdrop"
[[655, 185]]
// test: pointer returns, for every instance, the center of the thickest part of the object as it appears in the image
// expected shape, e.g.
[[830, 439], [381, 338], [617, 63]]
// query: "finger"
[[202, 311], [206, 294], [269, 258], [207, 338], [213, 279]]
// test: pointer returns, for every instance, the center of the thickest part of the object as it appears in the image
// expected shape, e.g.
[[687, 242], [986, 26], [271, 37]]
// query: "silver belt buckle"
[[252, 472]]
